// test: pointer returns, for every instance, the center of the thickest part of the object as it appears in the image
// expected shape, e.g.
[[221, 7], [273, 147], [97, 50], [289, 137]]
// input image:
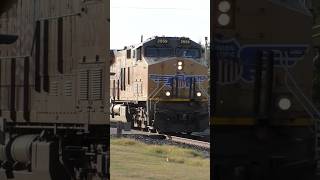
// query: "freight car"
[[264, 123], [160, 85], [54, 117]]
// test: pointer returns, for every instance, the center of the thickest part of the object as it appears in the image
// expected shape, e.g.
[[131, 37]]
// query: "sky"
[[132, 18]]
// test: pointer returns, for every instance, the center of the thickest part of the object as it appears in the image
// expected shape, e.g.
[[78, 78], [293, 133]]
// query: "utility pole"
[[207, 62], [206, 53]]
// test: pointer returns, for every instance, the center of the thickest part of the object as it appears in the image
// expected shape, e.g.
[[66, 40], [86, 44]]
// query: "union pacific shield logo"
[[183, 80], [236, 62], [284, 55]]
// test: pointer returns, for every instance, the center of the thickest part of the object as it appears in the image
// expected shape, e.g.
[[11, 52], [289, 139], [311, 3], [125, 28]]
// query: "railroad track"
[[204, 138], [188, 141], [192, 140]]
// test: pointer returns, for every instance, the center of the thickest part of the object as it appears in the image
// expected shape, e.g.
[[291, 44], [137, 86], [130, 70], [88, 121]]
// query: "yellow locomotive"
[[160, 84], [265, 125]]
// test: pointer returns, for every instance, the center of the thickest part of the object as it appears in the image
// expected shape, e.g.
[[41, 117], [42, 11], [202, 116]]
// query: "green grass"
[[133, 160]]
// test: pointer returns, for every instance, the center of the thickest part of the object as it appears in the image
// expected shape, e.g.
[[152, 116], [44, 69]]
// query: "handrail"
[[203, 90], [299, 100], [312, 111], [316, 35], [301, 92], [316, 26], [153, 95], [312, 115]]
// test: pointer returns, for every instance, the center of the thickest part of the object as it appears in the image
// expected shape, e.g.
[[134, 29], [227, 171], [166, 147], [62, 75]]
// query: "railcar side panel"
[[54, 89], [60, 61]]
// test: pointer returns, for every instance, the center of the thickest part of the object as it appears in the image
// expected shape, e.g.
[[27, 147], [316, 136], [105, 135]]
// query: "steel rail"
[[187, 141]]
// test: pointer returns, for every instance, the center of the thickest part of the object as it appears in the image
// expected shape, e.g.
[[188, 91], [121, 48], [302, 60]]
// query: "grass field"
[[133, 160]]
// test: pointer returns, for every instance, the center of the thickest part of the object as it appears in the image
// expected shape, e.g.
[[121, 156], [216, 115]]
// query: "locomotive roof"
[[152, 39], [296, 5], [153, 42]]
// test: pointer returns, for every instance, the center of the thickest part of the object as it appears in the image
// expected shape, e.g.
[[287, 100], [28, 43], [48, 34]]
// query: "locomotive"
[[160, 85], [264, 123], [54, 117]]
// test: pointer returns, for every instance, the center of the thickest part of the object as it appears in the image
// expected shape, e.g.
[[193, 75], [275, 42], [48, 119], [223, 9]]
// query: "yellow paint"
[[248, 121]]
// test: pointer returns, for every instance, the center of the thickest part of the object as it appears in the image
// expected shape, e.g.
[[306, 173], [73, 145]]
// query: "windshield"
[[188, 53], [296, 4], [158, 52]]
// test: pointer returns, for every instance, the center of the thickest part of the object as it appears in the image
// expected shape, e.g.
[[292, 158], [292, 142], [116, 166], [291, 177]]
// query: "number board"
[[162, 41], [185, 41]]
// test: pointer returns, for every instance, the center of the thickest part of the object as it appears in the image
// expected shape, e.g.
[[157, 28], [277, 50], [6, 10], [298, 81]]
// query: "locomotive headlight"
[[180, 65], [224, 19], [224, 14], [224, 6], [199, 94], [168, 93], [284, 104]]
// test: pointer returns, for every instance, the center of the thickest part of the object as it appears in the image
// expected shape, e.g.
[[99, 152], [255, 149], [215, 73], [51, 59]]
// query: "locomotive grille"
[[90, 84], [68, 88], [53, 88], [96, 84], [84, 85], [229, 71]]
